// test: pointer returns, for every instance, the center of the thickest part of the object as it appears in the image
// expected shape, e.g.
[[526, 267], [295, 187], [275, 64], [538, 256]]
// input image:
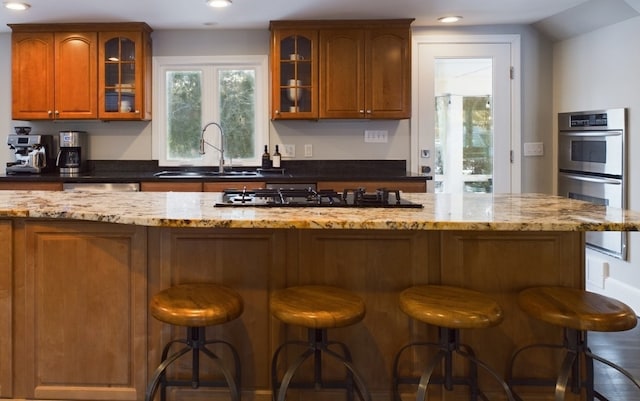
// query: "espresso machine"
[[72, 154], [32, 153]]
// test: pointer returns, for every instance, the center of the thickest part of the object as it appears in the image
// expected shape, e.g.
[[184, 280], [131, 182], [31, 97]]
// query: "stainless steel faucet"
[[219, 149]]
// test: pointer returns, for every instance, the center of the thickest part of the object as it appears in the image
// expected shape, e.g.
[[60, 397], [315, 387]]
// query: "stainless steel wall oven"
[[591, 167]]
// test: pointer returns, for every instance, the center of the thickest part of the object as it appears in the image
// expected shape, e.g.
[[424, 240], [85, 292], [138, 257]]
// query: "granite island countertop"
[[490, 212]]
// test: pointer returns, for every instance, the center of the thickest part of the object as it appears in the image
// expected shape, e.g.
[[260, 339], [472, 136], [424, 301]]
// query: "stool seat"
[[451, 307], [577, 309], [196, 305], [317, 306]]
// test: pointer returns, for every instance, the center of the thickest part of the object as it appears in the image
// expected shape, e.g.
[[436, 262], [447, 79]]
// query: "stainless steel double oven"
[[591, 167]]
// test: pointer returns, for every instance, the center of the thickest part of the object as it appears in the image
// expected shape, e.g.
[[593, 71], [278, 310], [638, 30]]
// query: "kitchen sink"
[[205, 174]]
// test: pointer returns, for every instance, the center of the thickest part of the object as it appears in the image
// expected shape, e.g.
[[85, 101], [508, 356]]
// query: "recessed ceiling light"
[[14, 5], [219, 3], [449, 19]]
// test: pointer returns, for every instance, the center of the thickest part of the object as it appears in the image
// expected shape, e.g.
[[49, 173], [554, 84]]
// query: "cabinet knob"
[[49, 112], [361, 111], [368, 111], [57, 113], [277, 111]]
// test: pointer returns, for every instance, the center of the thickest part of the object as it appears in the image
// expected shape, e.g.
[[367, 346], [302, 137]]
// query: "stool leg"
[[317, 345], [153, 385]]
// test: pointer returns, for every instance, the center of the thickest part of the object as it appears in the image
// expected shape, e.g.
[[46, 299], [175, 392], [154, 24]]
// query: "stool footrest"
[[577, 355], [195, 343], [317, 346], [448, 345]]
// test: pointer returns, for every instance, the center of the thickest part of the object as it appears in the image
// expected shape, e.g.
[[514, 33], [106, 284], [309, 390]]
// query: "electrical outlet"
[[533, 149], [288, 150], [308, 150], [376, 136]]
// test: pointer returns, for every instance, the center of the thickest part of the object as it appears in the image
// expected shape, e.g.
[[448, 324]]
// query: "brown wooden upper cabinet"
[[354, 69], [54, 75], [61, 71]]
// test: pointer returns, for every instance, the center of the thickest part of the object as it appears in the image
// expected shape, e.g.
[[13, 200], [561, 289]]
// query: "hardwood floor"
[[622, 348]]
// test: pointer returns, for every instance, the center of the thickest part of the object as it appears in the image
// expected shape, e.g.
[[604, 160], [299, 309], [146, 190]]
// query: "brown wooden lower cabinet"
[[211, 186], [31, 186], [154, 186], [79, 305], [220, 186], [371, 186], [6, 303], [79, 296]]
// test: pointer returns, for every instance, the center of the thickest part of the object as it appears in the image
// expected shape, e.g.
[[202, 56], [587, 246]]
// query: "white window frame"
[[209, 65]]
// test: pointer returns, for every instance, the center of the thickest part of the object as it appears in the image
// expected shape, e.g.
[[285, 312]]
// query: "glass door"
[[464, 116], [463, 125], [119, 85], [295, 75]]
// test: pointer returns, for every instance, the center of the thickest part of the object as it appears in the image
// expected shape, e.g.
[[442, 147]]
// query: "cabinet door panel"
[[388, 72], [32, 76], [250, 261], [76, 76], [294, 60], [6, 318], [124, 85], [85, 309], [341, 73]]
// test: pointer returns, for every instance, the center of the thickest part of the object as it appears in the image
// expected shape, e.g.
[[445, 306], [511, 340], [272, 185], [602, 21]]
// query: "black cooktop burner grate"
[[294, 197]]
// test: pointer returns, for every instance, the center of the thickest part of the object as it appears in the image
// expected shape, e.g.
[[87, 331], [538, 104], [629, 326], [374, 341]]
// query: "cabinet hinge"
[[512, 72], [511, 156]]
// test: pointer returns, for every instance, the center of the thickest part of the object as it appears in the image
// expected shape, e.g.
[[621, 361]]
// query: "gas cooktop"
[[358, 197]]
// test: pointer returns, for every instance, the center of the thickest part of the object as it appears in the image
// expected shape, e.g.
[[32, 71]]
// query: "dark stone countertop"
[[292, 171]]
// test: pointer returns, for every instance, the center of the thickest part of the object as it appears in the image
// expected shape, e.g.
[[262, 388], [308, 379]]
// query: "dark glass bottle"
[[266, 158]]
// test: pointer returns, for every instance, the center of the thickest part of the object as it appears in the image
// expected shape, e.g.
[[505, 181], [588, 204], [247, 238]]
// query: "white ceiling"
[[557, 18], [256, 14]]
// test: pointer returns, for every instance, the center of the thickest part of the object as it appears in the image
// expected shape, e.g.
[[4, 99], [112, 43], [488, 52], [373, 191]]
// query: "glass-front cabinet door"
[[294, 74], [122, 65]]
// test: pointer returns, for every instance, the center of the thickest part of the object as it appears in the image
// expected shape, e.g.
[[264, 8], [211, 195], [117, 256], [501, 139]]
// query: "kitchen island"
[[78, 269]]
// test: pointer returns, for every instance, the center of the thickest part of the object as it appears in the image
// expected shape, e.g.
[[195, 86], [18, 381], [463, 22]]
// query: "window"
[[193, 91]]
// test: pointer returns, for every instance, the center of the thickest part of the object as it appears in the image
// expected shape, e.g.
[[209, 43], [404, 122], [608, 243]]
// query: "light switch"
[[533, 149]]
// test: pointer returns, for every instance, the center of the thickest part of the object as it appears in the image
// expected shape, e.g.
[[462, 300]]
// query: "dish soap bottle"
[[276, 158], [266, 158]]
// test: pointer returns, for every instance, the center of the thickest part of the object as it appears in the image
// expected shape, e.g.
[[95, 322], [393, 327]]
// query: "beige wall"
[[330, 139], [599, 70]]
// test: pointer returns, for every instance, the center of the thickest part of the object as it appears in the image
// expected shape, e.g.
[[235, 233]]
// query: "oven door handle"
[[598, 180], [591, 134]]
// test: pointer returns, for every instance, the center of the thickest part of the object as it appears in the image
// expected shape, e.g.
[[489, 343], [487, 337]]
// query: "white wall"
[[600, 70], [330, 139]]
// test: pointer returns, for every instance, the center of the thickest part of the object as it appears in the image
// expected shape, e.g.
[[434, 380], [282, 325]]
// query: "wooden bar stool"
[[450, 309], [577, 312], [196, 306], [317, 308]]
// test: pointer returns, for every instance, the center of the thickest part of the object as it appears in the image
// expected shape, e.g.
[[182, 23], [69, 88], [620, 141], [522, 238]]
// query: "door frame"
[[516, 99]]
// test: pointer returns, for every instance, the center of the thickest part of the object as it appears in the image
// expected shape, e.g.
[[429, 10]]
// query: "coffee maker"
[[72, 154], [32, 153]]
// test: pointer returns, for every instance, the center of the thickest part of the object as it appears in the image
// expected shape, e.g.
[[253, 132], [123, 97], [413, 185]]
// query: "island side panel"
[[501, 264], [81, 298], [6, 297], [250, 261], [376, 265]]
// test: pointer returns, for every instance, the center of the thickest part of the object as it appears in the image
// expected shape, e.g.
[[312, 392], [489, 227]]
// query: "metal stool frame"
[[317, 345], [448, 343], [571, 371], [195, 342]]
